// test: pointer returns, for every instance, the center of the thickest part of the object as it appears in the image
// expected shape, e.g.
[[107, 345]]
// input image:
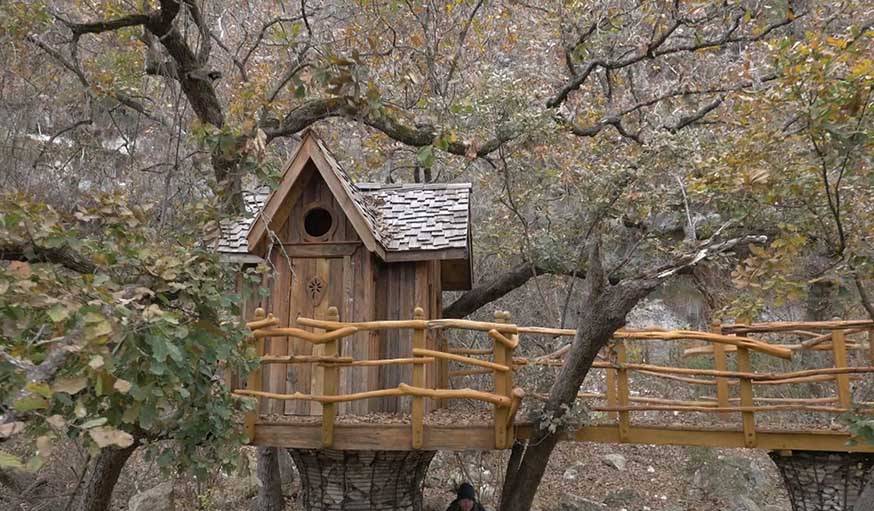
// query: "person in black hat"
[[466, 500]]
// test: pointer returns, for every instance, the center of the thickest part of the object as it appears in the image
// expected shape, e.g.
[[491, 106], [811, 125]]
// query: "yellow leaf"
[[11, 428], [70, 385], [96, 362], [106, 436], [122, 386]]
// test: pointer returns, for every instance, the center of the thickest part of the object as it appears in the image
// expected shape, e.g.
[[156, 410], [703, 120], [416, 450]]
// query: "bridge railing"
[[735, 394], [831, 337], [328, 332]]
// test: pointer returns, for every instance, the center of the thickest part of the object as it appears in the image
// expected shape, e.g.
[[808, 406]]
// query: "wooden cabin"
[[373, 251]]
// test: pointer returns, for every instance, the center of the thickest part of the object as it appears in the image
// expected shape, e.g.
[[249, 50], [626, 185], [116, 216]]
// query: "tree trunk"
[[101, 478], [361, 480], [270, 492], [602, 312], [866, 498]]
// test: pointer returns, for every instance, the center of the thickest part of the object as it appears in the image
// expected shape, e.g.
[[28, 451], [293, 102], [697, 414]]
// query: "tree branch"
[[384, 120]]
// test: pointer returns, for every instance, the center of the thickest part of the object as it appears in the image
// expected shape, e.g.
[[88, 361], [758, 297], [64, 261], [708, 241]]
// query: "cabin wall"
[[312, 274], [401, 287]]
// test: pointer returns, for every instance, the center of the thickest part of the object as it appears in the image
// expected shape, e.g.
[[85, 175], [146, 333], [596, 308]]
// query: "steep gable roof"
[[396, 221], [276, 208]]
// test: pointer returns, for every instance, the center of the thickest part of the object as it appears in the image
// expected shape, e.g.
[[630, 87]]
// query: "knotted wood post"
[[503, 385], [746, 397], [418, 418], [720, 363], [871, 347], [611, 384], [331, 383], [253, 382], [622, 391], [839, 349]]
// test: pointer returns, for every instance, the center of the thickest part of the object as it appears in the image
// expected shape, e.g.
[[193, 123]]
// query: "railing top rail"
[[783, 326]]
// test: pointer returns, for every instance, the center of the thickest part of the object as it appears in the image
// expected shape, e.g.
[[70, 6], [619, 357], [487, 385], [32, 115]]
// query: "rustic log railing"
[[725, 340], [734, 389], [506, 399]]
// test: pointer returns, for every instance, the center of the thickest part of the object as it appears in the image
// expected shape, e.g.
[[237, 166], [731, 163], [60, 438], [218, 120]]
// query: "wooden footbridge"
[[746, 382]]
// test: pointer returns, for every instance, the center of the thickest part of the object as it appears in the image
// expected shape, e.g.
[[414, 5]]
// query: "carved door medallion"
[[316, 289]]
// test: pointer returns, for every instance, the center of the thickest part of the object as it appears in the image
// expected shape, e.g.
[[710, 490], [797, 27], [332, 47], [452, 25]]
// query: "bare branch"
[[97, 27], [386, 120], [694, 117]]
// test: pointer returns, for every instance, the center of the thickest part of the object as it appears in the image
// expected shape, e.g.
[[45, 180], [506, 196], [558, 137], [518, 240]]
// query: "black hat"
[[466, 491]]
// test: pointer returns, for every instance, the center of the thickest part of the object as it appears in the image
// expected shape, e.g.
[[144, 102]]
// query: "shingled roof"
[[400, 217]]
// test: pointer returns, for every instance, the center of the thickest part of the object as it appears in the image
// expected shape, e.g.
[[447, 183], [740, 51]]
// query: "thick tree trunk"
[[270, 492], [602, 312], [361, 480], [101, 478]]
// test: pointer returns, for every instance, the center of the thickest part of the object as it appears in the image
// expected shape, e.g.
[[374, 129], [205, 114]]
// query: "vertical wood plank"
[[331, 375], [622, 394], [317, 376], [746, 397], [278, 346], [418, 412], [503, 385], [720, 363], [839, 348], [346, 345], [254, 383], [611, 389]]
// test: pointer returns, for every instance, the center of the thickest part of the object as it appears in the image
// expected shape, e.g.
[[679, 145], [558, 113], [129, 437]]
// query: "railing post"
[[871, 347], [330, 385], [746, 397], [611, 384], [503, 385], [418, 418], [839, 348], [720, 363], [622, 391], [253, 382]]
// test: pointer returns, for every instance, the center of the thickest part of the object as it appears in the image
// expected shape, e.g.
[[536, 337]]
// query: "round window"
[[317, 222]]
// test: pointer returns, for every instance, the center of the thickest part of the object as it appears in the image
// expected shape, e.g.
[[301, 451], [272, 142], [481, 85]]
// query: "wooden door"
[[316, 284]]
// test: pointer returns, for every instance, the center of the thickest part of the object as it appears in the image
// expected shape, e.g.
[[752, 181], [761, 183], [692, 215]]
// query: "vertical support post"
[[871, 347], [746, 397], [503, 385], [418, 419], [720, 363], [330, 385], [253, 382], [839, 348], [611, 383], [622, 391]]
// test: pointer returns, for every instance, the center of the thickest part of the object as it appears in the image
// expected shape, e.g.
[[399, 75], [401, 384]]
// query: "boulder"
[[159, 498], [614, 460]]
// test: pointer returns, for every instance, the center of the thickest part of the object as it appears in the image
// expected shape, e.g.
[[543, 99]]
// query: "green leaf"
[[58, 313], [30, 403], [425, 156], [9, 461], [41, 389], [93, 423]]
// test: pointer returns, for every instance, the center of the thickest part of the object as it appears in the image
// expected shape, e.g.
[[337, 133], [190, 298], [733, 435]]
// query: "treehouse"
[[354, 374], [361, 252]]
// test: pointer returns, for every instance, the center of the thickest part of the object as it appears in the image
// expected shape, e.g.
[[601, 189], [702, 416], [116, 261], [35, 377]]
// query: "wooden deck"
[[398, 437]]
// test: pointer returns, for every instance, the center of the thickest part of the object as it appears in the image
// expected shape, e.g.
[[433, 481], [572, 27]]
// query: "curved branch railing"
[[723, 341]]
